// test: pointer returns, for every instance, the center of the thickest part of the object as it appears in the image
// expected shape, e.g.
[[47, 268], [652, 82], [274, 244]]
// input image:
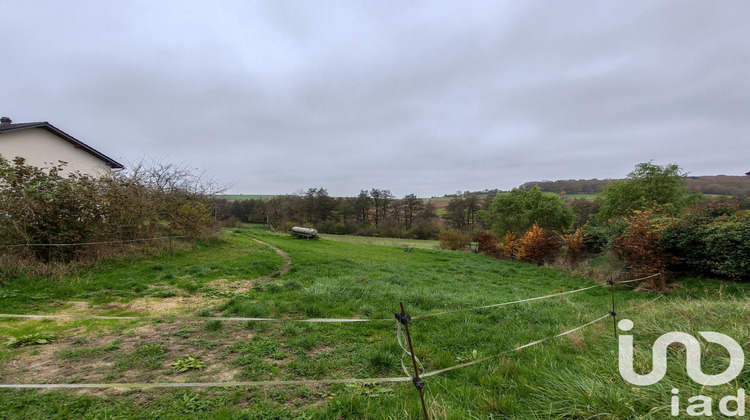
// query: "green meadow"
[[237, 197], [574, 376]]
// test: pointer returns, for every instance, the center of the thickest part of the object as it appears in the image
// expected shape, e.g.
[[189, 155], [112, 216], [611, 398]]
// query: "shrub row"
[[41, 206]]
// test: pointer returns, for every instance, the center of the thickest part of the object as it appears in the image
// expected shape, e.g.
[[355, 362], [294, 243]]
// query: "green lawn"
[[570, 377]]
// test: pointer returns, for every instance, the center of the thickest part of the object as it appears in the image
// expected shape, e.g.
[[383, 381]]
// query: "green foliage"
[[712, 238], [518, 210], [31, 339], [40, 206], [728, 242], [214, 325], [649, 186], [597, 238], [454, 240], [184, 364]]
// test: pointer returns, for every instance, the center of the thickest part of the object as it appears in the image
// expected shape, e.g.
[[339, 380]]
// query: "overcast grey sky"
[[423, 97]]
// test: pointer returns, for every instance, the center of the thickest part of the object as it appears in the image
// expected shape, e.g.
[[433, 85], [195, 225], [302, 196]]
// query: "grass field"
[[569, 377], [403, 243], [236, 197]]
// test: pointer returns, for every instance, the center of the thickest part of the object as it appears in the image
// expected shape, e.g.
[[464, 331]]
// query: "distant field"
[[235, 197], [416, 243], [586, 196]]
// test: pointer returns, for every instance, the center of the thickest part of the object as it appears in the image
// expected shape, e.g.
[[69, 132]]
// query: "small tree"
[[518, 210], [649, 186], [640, 245], [510, 244], [454, 239], [538, 246], [574, 246], [488, 243]]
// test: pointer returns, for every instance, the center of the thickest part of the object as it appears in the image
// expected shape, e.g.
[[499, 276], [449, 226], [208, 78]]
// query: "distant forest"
[[717, 185]]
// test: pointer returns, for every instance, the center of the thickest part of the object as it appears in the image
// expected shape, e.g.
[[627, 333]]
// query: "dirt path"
[[240, 286], [287, 259], [189, 303]]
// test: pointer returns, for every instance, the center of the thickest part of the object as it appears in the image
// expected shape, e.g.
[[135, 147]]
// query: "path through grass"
[[574, 376]]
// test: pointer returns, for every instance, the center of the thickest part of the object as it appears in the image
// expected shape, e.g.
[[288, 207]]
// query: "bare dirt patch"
[[149, 305], [106, 358], [238, 286]]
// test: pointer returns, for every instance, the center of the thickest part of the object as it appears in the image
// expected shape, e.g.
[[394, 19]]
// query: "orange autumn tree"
[[536, 245], [640, 245], [574, 244]]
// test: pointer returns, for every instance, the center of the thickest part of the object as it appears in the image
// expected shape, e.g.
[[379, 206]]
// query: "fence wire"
[[639, 279], [193, 318], [495, 305], [408, 378], [317, 320], [309, 320], [533, 343]]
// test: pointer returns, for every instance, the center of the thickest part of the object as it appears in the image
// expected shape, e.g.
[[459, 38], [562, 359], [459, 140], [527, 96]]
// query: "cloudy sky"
[[423, 96]]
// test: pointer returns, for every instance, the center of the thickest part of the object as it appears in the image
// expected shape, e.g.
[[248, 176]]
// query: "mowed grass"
[[570, 377]]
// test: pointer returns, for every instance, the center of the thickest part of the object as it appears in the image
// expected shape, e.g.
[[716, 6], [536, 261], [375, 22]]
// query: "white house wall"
[[42, 149]]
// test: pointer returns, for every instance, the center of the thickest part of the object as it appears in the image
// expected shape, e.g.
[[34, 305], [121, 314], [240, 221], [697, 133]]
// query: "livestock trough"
[[305, 233]]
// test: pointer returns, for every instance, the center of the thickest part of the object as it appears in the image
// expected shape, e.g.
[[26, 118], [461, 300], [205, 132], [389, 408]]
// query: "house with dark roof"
[[42, 144]]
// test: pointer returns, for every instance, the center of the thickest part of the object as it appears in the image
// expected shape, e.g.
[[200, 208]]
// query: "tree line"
[[373, 212], [738, 186]]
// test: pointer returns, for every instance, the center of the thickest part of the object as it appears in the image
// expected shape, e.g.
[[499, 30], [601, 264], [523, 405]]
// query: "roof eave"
[[70, 139]]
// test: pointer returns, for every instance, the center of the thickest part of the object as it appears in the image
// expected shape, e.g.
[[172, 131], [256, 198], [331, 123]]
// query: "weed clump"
[[31, 339], [184, 364]]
